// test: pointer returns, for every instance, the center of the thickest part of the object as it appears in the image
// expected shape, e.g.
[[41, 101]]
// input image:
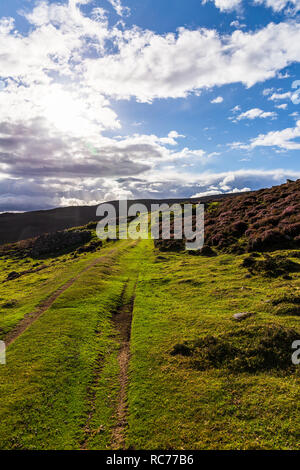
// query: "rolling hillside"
[[123, 346]]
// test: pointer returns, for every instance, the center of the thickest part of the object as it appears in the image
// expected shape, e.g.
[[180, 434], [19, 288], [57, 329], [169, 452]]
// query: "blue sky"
[[125, 99]]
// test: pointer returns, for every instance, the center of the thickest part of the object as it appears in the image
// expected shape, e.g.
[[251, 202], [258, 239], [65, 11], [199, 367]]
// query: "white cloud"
[[280, 96], [226, 5], [209, 192], [73, 109], [236, 24], [281, 106], [150, 66], [52, 121], [17, 194], [284, 139], [279, 5], [229, 178], [175, 135], [120, 10], [37, 149], [217, 100], [283, 76], [267, 91], [237, 190], [143, 64], [290, 6], [256, 113], [56, 103]]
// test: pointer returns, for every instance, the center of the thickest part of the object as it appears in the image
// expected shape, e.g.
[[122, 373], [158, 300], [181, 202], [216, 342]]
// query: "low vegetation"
[[270, 265], [264, 220], [208, 355], [251, 349]]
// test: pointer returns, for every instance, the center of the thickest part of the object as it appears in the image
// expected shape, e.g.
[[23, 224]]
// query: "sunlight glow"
[[68, 114]]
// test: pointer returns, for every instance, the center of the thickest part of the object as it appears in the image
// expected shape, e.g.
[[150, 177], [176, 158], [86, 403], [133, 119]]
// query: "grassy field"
[[61, 386], [173, 405]]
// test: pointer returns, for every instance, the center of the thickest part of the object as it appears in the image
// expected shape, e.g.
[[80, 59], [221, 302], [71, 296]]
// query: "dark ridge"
[[17, 227]]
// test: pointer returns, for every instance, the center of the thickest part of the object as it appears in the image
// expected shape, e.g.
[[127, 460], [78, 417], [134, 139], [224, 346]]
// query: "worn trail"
[[123, 320]]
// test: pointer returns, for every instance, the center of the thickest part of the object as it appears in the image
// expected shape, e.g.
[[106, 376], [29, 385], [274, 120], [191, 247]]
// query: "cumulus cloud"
[[140, 63], [57, 102], [187, 185], [63, 169], [52, 122], [267, 91], [34, 149], [217, 100], [120, 10], [284, 139], [280, 96], [281, 106], [149, 66], [289, 6], [280, 5], [256, 113], [226, 5], [212, 192], [40, 193], [236, 24]]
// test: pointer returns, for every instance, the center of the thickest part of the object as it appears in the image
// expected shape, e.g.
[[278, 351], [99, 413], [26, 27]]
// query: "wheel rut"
[[89, 432], [122, 320]]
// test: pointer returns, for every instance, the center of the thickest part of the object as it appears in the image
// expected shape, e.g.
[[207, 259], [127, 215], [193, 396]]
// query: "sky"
[[116, 99]]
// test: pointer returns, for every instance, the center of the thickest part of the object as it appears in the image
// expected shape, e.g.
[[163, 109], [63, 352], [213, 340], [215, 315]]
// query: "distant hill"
[[16, 227]]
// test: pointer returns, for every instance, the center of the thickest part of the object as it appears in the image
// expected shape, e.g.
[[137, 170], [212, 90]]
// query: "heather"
[[264, 220]]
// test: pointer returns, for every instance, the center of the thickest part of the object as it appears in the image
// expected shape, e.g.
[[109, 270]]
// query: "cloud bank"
[[58, 103]]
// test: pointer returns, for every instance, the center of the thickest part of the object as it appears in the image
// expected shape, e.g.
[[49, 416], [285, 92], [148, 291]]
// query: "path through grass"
[[48, 387], [73, 380]]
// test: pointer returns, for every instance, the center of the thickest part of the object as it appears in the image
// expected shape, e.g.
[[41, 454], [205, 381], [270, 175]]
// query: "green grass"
[[107, 389], [59, 388], [28, 291], [43, 387], [172, 405]]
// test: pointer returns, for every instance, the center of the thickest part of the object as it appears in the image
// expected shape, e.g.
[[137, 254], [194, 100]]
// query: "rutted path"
[[75, 371], [92, 389], [122, 320], [33, 316]]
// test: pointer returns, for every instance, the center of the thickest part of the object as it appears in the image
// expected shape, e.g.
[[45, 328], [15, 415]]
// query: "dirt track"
[[122, 320]]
